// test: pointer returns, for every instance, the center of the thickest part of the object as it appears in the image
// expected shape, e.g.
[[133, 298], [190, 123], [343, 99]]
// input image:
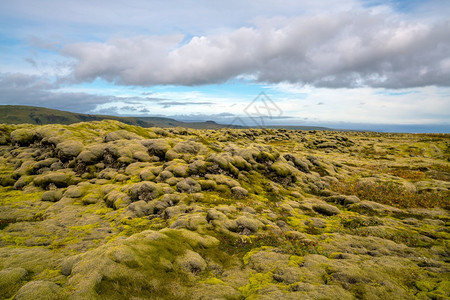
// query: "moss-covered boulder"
[[23, 136], [116, 199], [140, 208], [326, 209], [157, 147], [69, 149], [41, 289], [52, 196], [299, 163], [62, 178], [191, 262], [189, 185], [145, 190], [92, 154], [239, 192], [121, 135], [198, 167], [190, 147], [344, 200], [6, 180], [11, 279], [248, 224]]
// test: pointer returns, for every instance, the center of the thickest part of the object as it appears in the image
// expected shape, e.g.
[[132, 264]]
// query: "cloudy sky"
[[317, 62]]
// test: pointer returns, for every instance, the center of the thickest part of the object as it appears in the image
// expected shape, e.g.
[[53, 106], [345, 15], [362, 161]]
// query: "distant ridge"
[[19, 114], [294, 127]]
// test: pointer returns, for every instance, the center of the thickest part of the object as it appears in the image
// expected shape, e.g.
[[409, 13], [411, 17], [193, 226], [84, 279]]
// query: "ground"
[[105, 210]]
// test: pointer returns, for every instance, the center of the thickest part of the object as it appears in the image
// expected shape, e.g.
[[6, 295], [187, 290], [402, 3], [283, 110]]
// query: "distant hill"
[[18, 114], [299, 127]]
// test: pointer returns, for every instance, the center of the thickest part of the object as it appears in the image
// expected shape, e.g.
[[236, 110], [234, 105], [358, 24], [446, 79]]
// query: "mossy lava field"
[[105, 210]]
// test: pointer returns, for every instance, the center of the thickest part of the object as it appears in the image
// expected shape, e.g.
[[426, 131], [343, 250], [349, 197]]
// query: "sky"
[[263, 62]]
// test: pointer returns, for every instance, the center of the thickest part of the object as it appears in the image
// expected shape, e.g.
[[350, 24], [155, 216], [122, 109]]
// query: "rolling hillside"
[[18, 114]]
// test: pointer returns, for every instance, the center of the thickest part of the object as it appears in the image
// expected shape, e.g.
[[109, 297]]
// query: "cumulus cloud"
[[34, 90], [167, 104], [349, 49]]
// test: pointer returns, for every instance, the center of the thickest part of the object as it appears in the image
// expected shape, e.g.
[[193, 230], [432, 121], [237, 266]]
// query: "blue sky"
[[320, 62]]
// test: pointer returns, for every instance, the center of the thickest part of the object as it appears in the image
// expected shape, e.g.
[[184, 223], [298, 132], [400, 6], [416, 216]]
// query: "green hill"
[[18, 114]]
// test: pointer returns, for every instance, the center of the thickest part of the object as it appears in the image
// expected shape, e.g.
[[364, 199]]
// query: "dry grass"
[[408, 174], [394, 194]]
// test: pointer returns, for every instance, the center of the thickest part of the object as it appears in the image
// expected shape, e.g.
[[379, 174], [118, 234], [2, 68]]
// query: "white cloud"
[[365, 105], [349, 49]]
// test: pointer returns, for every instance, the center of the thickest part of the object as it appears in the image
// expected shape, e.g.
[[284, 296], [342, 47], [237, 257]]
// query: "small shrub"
[[408, 174]]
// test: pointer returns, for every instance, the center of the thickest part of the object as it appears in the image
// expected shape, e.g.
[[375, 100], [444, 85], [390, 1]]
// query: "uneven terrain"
[[105, 210]]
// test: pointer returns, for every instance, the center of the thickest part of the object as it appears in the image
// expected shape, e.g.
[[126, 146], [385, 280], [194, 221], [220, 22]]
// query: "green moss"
[[425, 285], [51, 275], [121, 258], [281, 169], [65, 242], [256, 282], [11, 279], [23, 136], [14, 239], [134, 225], [58, 178], [83, 228], [13, 198], [295, 260], [103, 211], [441, 290], [212, 281], [249, 254], [92, 198]]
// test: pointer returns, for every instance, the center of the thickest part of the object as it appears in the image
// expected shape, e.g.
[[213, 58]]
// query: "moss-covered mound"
[[105, 210]]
